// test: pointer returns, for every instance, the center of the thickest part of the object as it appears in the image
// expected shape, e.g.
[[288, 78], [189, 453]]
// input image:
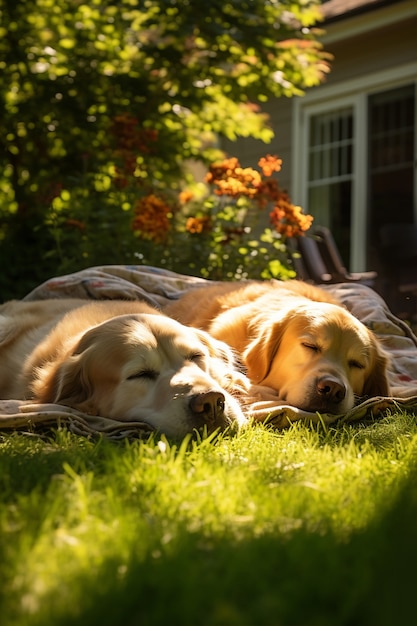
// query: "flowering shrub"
[[220, 232], [235, 224]]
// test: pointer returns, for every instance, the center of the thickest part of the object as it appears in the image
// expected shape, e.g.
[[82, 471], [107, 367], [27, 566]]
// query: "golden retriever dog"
[[292, 337], [117, 359]]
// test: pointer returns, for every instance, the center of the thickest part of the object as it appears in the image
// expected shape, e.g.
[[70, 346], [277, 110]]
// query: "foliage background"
[[104, 102]]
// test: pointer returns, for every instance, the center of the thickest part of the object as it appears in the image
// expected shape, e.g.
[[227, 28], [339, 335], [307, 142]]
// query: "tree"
[[106, 100]]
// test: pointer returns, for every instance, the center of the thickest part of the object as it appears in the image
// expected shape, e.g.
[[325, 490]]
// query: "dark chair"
[[308, 262], [334, 262], [317, 259]]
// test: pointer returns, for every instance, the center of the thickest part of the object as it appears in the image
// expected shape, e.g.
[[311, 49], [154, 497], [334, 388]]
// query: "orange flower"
[[151, 218], [222, 169], [198, 224], [270, 164], [288, 219], [230, 179], [268, 191], [185, 196]]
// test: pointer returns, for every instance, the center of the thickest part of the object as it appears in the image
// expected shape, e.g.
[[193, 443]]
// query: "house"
[[349, 146]]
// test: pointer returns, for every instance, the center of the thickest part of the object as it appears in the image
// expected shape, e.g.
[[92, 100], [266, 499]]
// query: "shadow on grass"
[[300, 579]]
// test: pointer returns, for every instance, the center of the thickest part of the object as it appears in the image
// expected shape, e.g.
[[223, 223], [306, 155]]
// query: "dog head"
[[147, 368], [317, 356]]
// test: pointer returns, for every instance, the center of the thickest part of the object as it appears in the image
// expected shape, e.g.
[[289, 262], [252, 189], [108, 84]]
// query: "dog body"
[[118, 359], [294, 338]]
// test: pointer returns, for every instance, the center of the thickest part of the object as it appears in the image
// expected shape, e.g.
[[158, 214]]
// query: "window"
[[391, 138], [330, 173], [355, 149]]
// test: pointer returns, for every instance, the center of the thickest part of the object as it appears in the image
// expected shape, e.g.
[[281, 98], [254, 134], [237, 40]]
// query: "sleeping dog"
[[293, 338], [118, 359]]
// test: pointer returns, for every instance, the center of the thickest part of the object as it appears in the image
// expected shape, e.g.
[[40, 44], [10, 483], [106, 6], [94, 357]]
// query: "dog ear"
[[377, 383], [259, 354], [71, 383], [67, 384], [68, 381]]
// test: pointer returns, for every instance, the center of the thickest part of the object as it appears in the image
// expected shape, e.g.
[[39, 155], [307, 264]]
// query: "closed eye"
[[356, 364], [311, 346], [145, 374], [195, 356]]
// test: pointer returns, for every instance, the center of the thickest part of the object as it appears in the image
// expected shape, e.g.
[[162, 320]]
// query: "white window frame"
[[324, 99]]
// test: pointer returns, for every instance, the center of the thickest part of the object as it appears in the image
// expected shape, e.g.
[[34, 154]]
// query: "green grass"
[[300, 527]]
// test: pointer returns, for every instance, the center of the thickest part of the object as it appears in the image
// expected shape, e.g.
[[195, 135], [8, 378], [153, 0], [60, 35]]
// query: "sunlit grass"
[[301, 527]]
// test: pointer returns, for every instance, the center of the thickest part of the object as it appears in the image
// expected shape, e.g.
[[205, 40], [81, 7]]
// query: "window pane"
[[391, 140], [391, 157], [330, 174], [332, 208]]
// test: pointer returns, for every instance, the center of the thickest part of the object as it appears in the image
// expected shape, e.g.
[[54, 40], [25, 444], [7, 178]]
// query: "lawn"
[[304, 527]]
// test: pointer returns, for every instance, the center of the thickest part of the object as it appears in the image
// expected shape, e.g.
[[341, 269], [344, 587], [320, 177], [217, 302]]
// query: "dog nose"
[[331, 388], [208, 405]]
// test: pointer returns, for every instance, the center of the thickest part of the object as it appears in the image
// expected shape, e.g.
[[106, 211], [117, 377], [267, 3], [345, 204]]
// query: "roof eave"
[[378, 15]]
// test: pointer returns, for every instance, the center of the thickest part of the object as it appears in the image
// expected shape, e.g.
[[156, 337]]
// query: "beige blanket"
[[157, 287]]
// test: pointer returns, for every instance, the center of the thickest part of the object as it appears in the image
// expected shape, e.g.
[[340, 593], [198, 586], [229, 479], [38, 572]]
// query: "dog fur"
[[118, 359], [292, 337]]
